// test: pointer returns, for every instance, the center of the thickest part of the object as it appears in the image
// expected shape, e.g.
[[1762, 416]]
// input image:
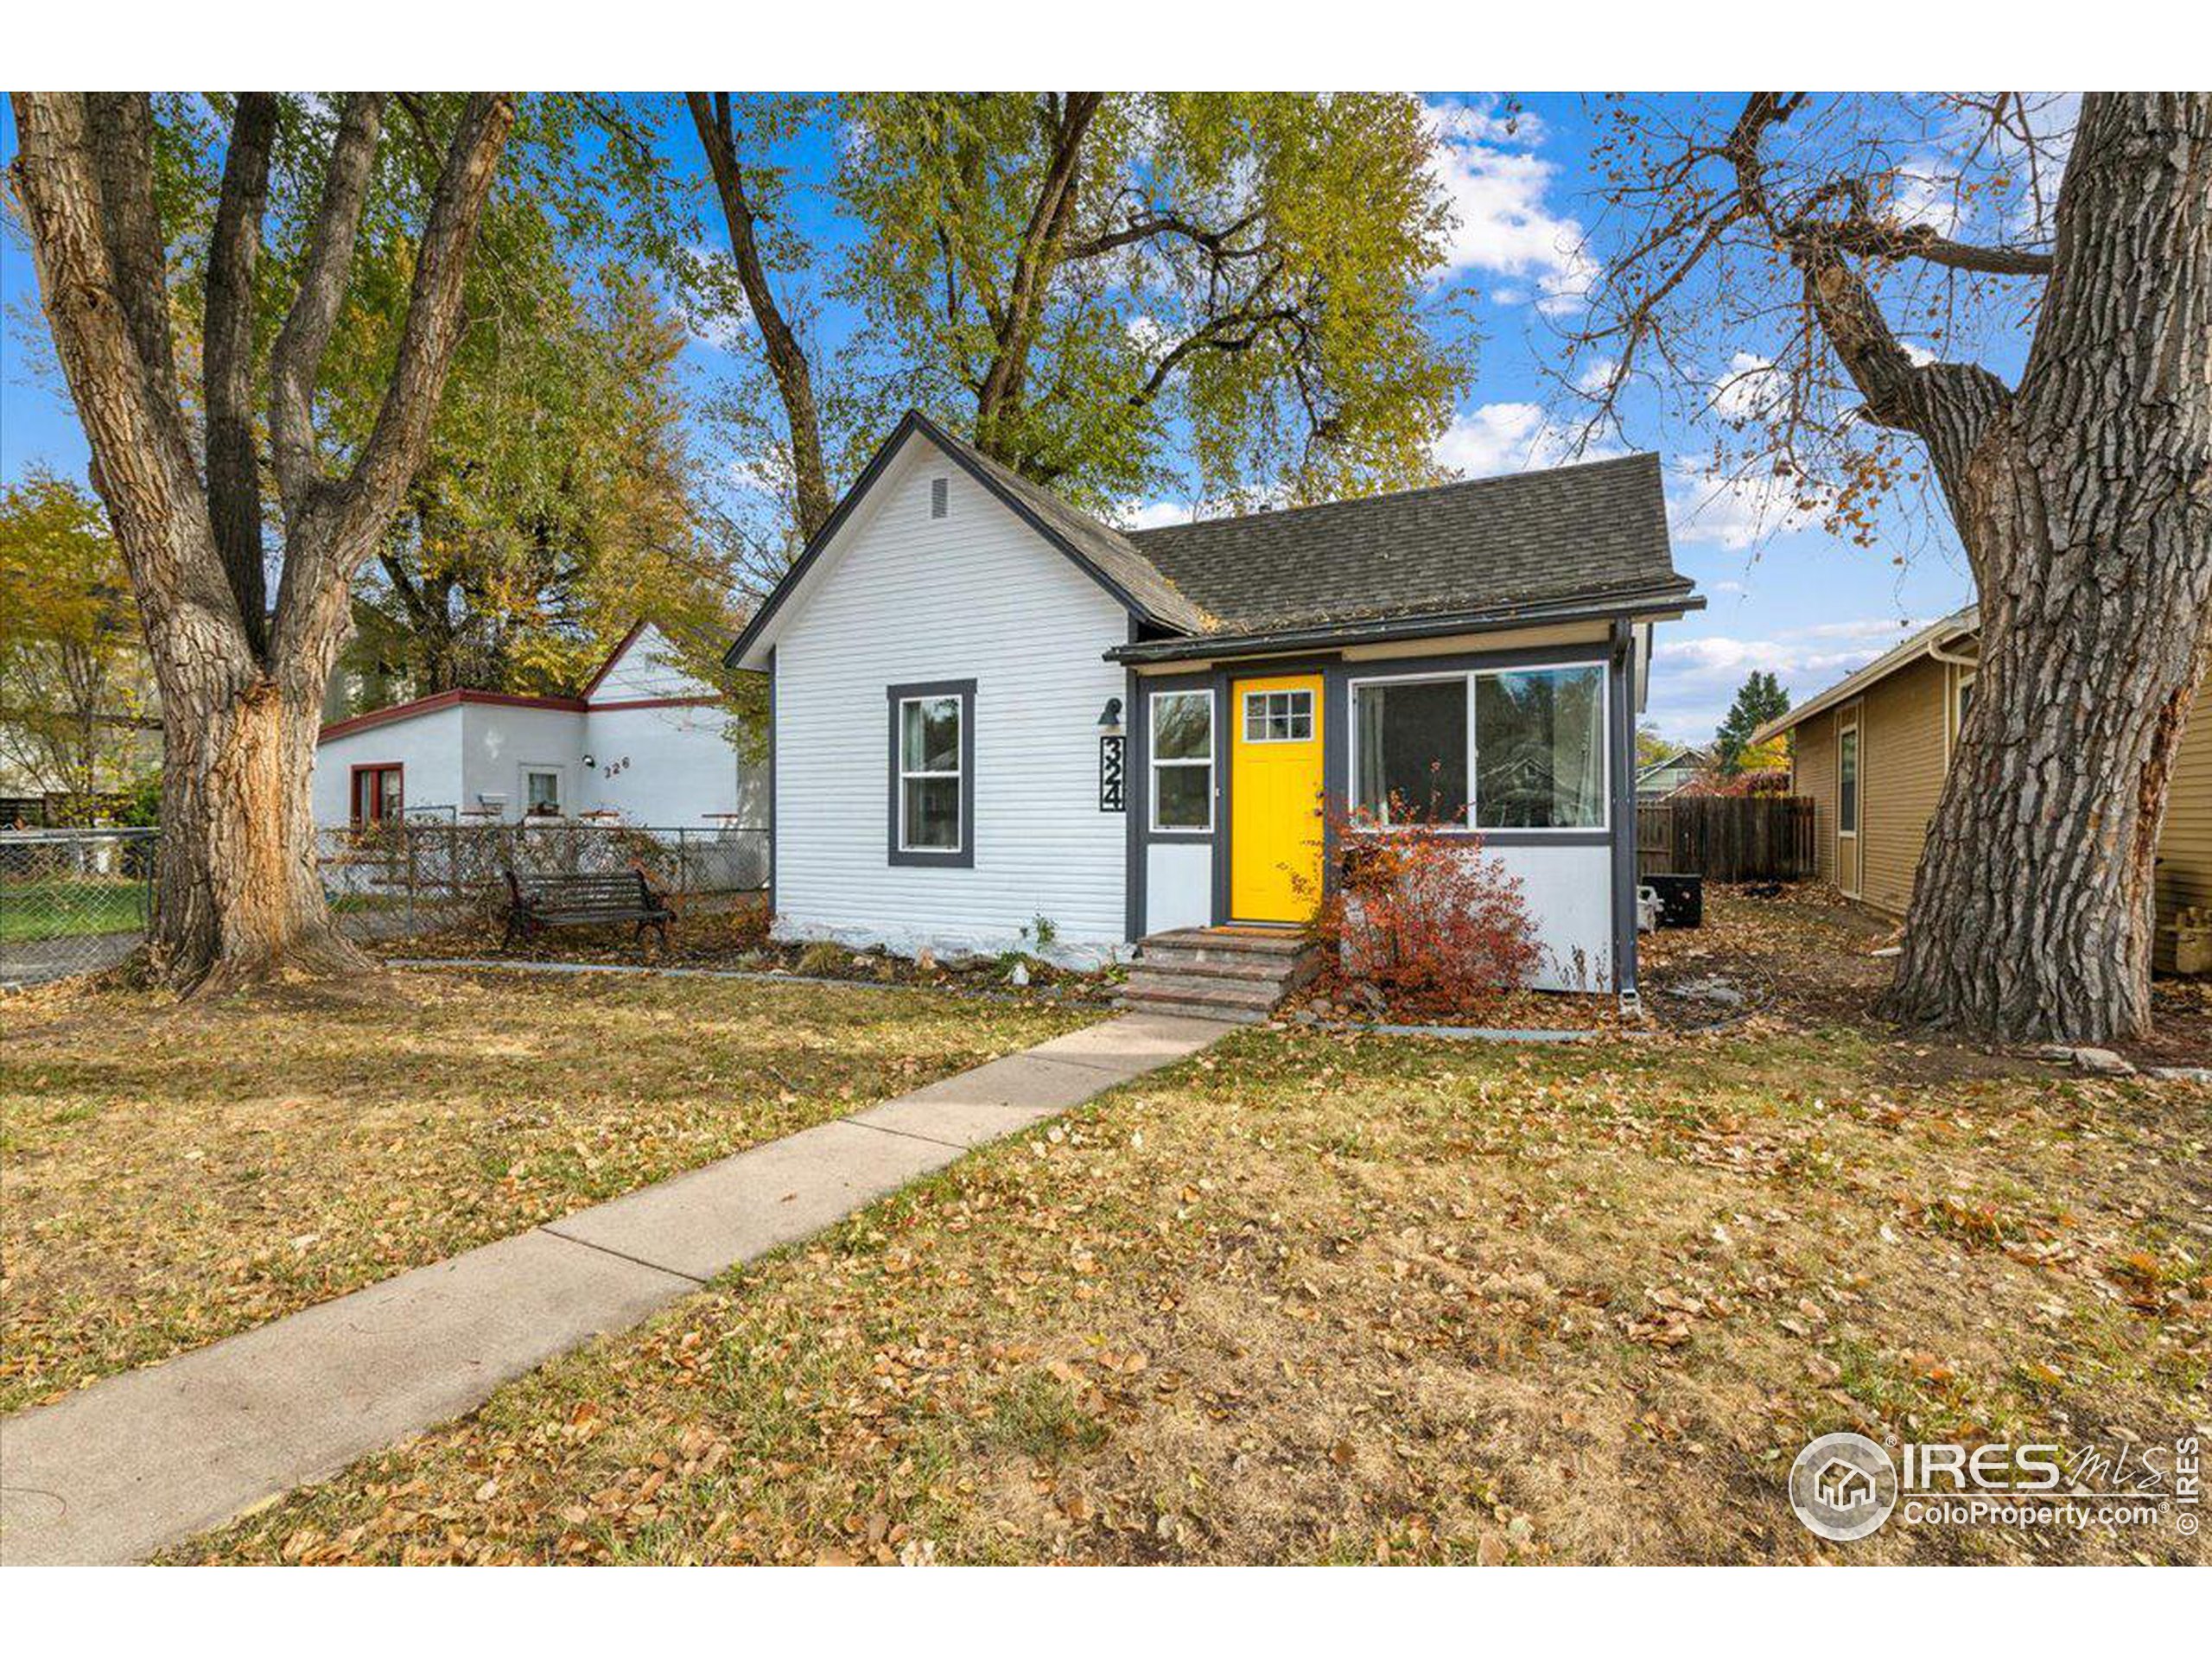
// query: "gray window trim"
[[1468, 671], [964, 857], [1211, 763]]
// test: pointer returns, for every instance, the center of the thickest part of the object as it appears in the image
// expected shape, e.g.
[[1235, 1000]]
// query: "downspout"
[[1622, 673]]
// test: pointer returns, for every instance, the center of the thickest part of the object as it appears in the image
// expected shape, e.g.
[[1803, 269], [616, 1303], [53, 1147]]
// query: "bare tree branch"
[[1041, 240], [121, 127], [142, 464], [297, 359], [311, 599], [233, 467], [786, 358]]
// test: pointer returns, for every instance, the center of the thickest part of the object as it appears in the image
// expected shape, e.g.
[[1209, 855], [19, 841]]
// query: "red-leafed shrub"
[[1424, 916]]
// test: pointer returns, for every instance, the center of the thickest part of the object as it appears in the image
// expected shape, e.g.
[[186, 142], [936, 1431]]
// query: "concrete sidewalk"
[[141, 1460]]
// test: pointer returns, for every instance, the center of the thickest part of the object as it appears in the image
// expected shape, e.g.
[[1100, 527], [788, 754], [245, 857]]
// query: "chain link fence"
[[403, 878], [75, 900], [71, 901]]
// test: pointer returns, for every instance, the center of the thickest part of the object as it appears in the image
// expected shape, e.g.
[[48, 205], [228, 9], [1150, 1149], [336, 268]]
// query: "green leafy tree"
[[77, 714], [1759, 700], [1081, 282]]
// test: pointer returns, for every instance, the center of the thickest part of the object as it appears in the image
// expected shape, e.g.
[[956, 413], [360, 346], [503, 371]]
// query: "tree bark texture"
[[2085, 500], [237, 893]]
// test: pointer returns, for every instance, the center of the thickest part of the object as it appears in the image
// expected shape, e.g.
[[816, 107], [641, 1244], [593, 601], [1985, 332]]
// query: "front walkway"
[[143, 1459]]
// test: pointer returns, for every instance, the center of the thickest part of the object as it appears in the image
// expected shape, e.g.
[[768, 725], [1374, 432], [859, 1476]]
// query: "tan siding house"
[[1890, 729]]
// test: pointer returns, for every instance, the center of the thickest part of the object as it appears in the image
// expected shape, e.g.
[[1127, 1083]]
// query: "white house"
[[989, 708], [646, 742]]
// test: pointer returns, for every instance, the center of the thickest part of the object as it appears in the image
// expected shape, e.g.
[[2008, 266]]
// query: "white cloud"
[[1693, 681], [1504, 226], [1508, 438], [1724, 587], [1920, 195], [1736, 513], [1487, 121], [1152, 515], [1751, 388], [1597, 375]]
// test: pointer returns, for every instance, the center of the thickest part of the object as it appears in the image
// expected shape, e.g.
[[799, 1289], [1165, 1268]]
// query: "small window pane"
[[1182, 726], [1847, 782], [1180, 799], [1255, 720], [933, 813], [929, 736], [1413, 747], [544, 791], [1539, 749]]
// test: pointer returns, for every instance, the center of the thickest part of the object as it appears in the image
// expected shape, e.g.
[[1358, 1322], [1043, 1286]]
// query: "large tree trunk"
[[240, 894], [237, 895], [2086, 506]]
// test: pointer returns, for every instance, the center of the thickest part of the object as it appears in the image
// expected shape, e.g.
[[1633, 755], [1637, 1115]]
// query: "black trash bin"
[[1682, 899]]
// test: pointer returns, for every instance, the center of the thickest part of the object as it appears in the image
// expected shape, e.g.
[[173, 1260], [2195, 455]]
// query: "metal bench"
[[538, 902]]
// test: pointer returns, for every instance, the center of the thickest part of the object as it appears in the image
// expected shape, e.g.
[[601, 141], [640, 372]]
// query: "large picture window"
[[1412, 744], [1539, 749], [1182, 761], [1496, 749], [933, 773]]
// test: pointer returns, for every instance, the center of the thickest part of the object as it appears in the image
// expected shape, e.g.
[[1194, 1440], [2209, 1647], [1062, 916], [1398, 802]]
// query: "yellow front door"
[[1274, 792]]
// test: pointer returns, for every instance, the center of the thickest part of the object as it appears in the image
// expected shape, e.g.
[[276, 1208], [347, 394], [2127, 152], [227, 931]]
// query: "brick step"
[[1257, 971], [1169, 1002], [1258, 941], [1226, 993]]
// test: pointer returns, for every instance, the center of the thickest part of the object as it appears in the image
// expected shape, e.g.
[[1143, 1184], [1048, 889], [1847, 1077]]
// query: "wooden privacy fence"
[[1726, 837]]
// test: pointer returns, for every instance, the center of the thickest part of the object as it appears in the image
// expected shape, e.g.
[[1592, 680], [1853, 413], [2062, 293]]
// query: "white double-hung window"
[[1182, 761], [933, 773]]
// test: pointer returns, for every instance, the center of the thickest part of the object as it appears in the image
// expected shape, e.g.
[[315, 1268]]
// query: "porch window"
[[1182, 760], [1279, 716], [379, 796], [930, 774], [1409, 744], [1539, 749], [541, 796]]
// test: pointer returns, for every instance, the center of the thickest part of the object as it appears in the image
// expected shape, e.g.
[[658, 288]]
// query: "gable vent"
[[940, 494]]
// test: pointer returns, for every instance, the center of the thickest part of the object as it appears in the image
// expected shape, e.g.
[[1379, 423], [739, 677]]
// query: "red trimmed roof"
[[614, 657], [443, 700]]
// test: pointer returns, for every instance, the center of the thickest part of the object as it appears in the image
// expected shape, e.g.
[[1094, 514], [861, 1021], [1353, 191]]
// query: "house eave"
[[1654, 605], [1930, 641]]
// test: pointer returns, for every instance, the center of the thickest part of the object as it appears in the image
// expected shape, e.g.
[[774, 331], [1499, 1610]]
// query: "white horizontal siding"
[[975, 595], [648, 667]]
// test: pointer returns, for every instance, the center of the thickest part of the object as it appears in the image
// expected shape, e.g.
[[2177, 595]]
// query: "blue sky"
[[1792, 599]]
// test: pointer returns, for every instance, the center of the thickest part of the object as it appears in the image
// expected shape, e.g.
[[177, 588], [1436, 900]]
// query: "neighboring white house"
[[989, 709], [646, 742]]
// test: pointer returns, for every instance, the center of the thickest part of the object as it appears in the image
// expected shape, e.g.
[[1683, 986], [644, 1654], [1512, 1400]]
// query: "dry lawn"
[[169, 1175], [1312, 1298]]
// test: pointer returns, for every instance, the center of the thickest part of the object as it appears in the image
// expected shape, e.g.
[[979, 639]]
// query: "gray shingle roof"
[[1571, 532], [1492, 547]]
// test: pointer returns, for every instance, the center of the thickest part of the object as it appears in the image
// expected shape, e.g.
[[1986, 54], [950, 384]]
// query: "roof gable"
[[1102, 553]]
